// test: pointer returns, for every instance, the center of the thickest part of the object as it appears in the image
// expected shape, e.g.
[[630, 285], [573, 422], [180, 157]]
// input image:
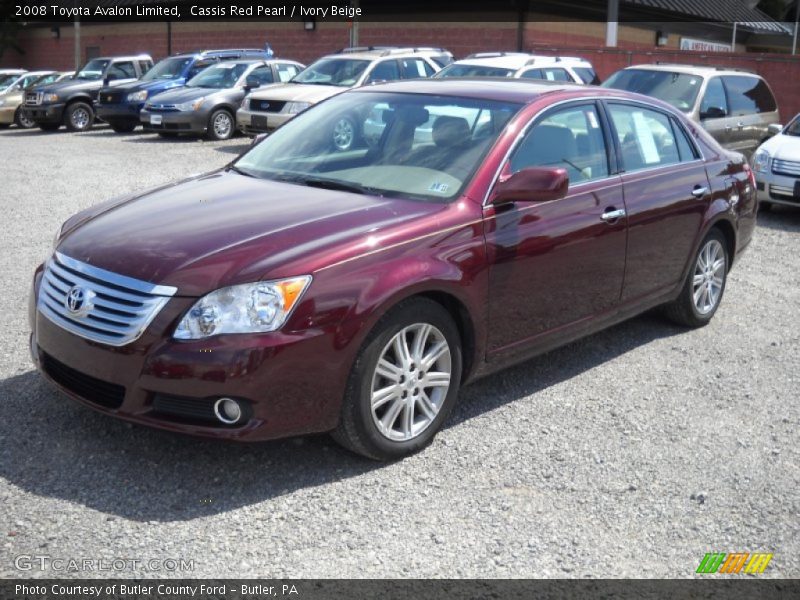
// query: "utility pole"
[[612, 23], [796, 20], [77, 43], [733, 39], [354, 26]]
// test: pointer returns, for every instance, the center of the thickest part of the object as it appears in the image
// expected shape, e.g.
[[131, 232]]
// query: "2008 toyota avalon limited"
[[306, 289]]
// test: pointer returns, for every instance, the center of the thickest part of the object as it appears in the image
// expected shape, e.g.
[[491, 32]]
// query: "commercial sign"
[[704, 46]]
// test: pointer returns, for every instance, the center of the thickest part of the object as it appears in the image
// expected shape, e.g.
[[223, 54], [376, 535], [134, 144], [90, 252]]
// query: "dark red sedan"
[[307, 289]]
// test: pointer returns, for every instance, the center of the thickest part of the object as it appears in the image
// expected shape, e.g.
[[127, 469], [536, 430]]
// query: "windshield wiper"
[[333, 184], [240, 171]]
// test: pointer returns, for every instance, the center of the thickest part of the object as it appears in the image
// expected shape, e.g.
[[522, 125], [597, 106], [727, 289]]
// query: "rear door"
[[752, 108], [667, 192]]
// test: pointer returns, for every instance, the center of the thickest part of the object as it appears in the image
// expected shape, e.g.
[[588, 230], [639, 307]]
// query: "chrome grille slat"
[[781, 190], [786, 167], [120, 307]]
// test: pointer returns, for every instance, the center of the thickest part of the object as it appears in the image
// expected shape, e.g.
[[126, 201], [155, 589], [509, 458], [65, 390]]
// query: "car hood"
[[73, 85], [224, 228], [784, 147], [186, 94], [298, 92], [156, 84]]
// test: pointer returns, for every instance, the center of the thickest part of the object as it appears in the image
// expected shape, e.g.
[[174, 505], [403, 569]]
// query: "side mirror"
[[774, 128], [713, 112], [251, 82], [534, 184]]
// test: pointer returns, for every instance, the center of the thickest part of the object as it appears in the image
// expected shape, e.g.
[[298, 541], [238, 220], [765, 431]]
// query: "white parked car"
[[523, 66], [777, 167]]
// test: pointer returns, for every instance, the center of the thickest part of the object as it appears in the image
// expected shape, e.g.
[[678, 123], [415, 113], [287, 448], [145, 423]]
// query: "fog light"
[[228, 411]]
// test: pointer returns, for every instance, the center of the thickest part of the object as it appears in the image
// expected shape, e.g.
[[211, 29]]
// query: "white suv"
[[268, 108], [524, 66]]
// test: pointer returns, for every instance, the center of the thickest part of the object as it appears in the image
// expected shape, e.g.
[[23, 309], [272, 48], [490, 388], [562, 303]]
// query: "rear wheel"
[[403, 384], [702, 293], [79, 116], [221, 125], [22, 120]]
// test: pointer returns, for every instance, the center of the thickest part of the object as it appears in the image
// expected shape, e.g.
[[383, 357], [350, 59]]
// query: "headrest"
[[450, 131]]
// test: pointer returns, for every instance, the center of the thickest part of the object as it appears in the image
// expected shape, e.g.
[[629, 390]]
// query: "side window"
[[571, 138], [287, 71], [197, 67], [532, 74], [122, 70], [554, 74], [686, 149], [262, 74], [414, 68], [385, 70], [145, 66], [645, 137], [748, 95], [715, 101]]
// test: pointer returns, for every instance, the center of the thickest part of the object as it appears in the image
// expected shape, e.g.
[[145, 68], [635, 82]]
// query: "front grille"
[[266, 105], [782, 192], [97, 304], [109, 395], [161, 108], [33, 98], [198, 410], [786, 167]]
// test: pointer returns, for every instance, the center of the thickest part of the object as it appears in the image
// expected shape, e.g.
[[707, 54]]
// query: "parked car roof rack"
[[388, 50], [495, 54], [697, 66]]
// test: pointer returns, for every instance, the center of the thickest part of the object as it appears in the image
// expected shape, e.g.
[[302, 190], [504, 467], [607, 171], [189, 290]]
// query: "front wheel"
[[79, 117], [22, 120], [702, 293], [221, 125], [403, 384]]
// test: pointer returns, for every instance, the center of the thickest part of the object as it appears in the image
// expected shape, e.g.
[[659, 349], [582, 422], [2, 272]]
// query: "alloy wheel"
[[223, 125], [709, 277], [410, 382], [80, 118]]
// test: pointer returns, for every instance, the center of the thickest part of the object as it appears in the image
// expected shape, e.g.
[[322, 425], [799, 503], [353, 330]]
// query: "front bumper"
[[176, 122], [778, 189], [268, 371], [119, 113], [7, 114], [45, 113], [253, 123]]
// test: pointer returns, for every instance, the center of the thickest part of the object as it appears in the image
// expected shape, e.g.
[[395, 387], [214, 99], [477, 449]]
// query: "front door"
[[556, 263]]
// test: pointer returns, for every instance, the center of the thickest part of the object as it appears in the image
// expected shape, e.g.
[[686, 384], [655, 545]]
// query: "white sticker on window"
[[647, 143], [439, 188], [550, 75]]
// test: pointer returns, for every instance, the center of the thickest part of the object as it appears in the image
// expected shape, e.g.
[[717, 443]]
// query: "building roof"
[[729, 11]]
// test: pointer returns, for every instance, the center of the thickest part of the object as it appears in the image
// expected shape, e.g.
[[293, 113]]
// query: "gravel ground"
[[628, 454]]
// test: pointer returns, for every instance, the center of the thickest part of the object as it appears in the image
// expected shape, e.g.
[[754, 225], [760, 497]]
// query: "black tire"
[[22, 121], [5, 125], [49, 126], [79, 116], [764, 206], [123, 127], [345, 134], [684, 310], [215, 131], [357, 429], [169, 135]]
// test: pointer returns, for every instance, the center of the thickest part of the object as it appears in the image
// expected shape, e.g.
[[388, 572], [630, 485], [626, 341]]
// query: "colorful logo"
[[719, 562]]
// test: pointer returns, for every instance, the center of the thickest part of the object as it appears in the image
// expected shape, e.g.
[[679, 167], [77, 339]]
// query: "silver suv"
[[265, 110], [735, 106]]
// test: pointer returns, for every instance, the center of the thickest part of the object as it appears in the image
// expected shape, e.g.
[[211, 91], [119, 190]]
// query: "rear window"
[[748, 95], [678, 89]]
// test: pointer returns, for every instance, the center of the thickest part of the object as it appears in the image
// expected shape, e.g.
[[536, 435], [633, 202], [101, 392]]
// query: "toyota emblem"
[[78, 301]]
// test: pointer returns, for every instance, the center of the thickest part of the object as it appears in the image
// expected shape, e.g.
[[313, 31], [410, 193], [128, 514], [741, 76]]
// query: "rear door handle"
[[612, 214], [699, 191]]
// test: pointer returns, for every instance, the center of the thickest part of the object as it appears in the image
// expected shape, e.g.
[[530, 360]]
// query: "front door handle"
[[740, 124], [612, 214], [699, 191]]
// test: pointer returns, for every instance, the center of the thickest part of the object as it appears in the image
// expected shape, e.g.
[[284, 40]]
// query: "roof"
[[706, 70], [518, 60], [373, 52], [726, 11]]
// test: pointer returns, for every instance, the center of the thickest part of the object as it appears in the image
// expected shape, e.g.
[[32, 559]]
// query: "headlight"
[[250, 308], [138, 96], [295, 107], [761, 161], [193, 105], [50, 98]]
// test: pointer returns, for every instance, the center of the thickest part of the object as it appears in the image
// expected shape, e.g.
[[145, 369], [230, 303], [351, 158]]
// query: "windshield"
[[169, 68], [94, 69], [343, 72], [221, 76], [793, 128], [415, 146], [457, 70], [678, 89]]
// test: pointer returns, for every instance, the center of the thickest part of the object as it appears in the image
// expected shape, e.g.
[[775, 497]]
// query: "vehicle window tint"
[[262, 75], [645, 137], [553, 74], [532, 74], [122, 70], [144, 66], [748, 95], [715, 102], [386, 70], [414, 68], [686, 149], [571, 138], [287, 71], [587, 75]]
